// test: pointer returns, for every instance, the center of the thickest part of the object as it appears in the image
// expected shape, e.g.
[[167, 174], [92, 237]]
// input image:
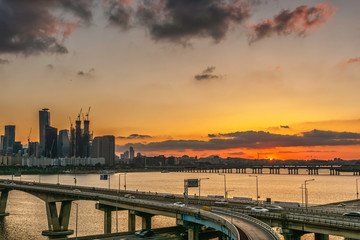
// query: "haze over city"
[[229, 78]]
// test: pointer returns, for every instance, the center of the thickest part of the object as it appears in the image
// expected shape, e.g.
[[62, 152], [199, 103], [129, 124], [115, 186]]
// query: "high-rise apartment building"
[[8, 146], [104, 147], [63, 144], [132, 153], [44, 120], [33, 149], [2, 142], [50, 142]]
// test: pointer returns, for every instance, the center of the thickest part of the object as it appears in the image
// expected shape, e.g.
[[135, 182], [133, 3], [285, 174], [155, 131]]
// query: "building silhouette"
[[132, 153], [50, 142], [63, 144], [104, 147], [80, 138], [33, 149], [9, 140], [44, 120], [2, 142]]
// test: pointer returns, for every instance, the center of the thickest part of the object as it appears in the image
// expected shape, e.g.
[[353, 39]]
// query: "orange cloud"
[[353, 60], [297, 21], [68, 28]]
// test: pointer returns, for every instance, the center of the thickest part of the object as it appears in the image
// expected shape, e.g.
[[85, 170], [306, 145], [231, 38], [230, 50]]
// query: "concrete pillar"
[[193, 232], [319, 236], [3, 202], [146, 222], [107, 221], [64, 216], [131, 221], [58, 226], [52, 216], [292, 234]]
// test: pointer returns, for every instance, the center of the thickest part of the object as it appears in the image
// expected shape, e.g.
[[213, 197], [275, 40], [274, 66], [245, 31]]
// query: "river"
[[28, 215]]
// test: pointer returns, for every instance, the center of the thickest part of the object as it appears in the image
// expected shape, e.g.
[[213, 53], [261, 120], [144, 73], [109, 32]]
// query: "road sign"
[[193, 182], [103, 177]]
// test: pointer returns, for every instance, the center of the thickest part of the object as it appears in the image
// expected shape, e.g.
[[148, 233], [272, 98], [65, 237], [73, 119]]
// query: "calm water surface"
[[28, 216]]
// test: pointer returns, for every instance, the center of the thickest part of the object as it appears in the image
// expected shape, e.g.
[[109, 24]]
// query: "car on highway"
[[259, 209], [352, 214], [129, 196], [222, 202], [144, 233], [179, 204], [274, 208], [171, 196], [12, 183], [76, 190], [341, 205]]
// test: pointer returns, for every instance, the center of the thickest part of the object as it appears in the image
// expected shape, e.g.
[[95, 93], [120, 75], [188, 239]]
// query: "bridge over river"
[[231, 219]]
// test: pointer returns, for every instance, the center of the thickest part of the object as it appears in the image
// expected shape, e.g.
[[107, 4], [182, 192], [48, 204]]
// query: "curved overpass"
[[234, 226]]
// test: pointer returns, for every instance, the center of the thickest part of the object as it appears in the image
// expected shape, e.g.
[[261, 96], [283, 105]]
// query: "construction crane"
[[29, 136], [87, 114], [79, 114]]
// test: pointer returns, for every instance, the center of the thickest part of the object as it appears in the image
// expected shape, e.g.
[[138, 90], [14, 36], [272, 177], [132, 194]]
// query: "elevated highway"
[[145, 206], [232, 219]]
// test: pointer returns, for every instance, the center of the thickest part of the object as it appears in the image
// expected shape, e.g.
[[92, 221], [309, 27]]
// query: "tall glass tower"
[[44, 120]]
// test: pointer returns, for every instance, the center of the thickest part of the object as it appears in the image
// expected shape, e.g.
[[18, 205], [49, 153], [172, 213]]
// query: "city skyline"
[[243, 81]]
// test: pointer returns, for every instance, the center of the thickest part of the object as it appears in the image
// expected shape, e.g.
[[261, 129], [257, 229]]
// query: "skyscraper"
[[86, 138], [44, 120], [132, 153], [104, 147], [2, 152], [9, 139], [63, 143], [50, 142]]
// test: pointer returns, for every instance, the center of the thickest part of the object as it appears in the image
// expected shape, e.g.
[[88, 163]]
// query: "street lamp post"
[[224, 185], [257, 189], [117, 225], [200, 185], [76, 221], [306, 193], [357, 189], [121, 174], [302, 195], [125, 181], [109, 181]]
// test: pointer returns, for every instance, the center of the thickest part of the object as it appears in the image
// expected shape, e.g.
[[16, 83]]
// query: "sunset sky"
[[199, 77]]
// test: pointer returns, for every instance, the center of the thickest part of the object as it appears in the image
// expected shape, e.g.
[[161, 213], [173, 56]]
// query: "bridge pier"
[[107, 221], [107, 215], [58, 224], [146, 219], [131, 220], [319, 236], [193, 230], [3, 202], [292, 234]]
